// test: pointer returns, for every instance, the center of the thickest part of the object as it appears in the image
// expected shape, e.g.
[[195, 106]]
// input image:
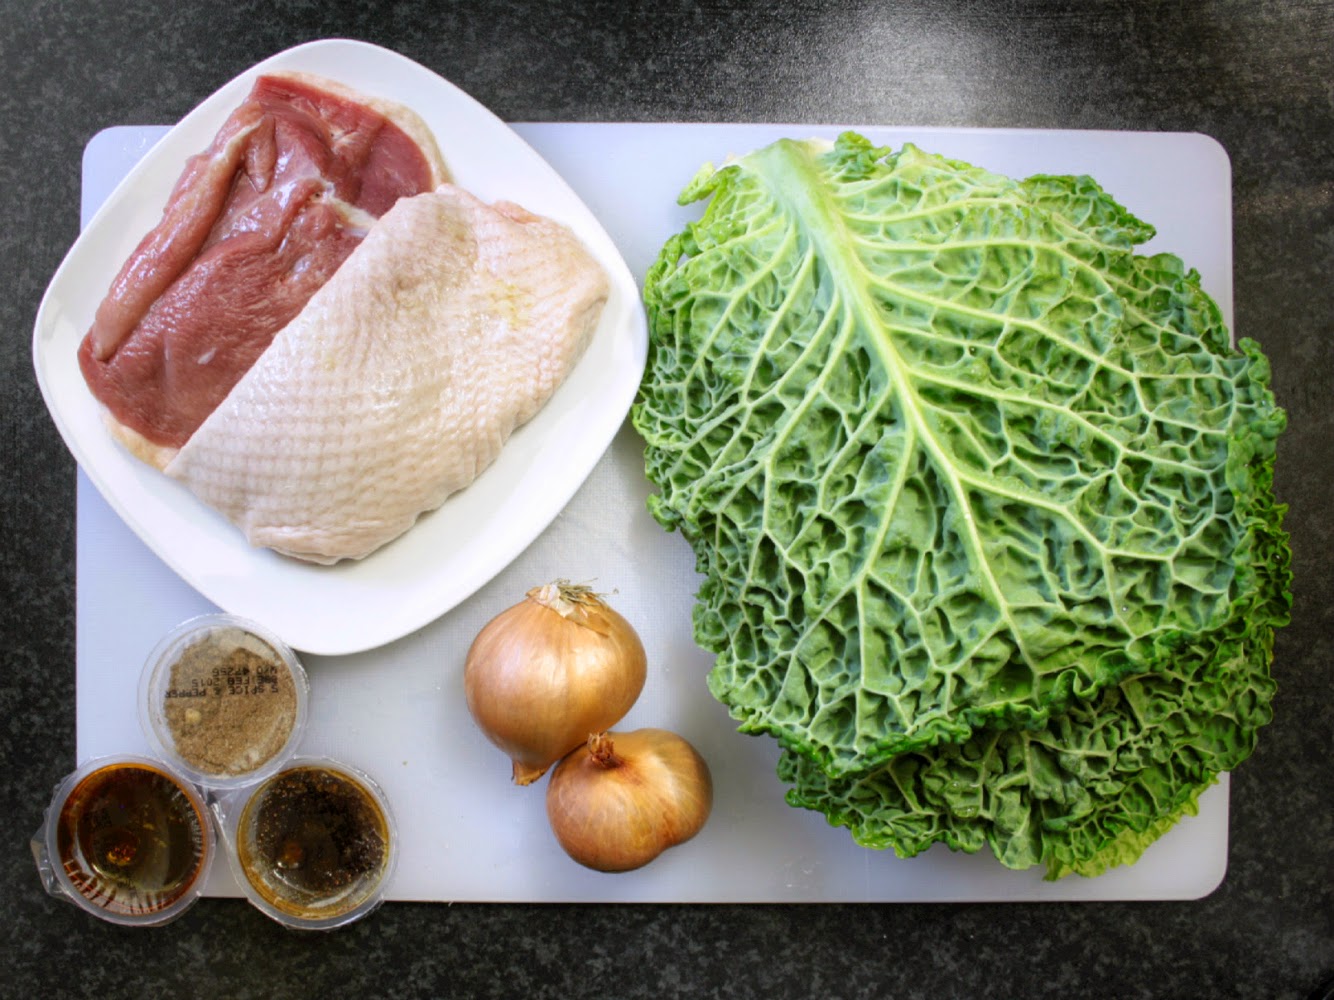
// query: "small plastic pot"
[[127, 839]]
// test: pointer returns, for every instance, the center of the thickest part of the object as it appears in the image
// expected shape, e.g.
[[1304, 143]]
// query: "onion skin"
[[627, 797], [545, 673]]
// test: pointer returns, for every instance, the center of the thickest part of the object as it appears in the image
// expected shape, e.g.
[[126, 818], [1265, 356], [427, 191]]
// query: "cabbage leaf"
[[980, 497]]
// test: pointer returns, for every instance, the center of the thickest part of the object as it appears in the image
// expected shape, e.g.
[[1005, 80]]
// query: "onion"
[[628, 798], [545, 673]]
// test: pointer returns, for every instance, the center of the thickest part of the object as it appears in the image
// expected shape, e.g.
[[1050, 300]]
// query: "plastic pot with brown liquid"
[[127, 839]]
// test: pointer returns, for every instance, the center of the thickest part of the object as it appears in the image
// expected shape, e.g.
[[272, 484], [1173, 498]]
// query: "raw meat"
[[451, 325], [255, 225]]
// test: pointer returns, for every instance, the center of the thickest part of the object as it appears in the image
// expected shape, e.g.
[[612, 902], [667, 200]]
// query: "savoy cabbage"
[[981, 498]]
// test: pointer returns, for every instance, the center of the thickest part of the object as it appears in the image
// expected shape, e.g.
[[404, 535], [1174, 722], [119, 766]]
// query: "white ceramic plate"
[[451, 552]]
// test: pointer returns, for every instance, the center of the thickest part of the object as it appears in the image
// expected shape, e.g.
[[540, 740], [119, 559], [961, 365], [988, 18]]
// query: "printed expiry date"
[[230, 680]]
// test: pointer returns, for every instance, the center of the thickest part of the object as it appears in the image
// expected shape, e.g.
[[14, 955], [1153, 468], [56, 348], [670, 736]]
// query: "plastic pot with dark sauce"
[[127, 839], [314, 844]]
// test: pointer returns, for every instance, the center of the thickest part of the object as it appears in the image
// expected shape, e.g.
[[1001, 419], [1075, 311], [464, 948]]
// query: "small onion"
[[628, 797], [545, 673]]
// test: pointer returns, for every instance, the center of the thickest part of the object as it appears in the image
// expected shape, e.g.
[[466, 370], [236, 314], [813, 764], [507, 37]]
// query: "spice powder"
[[230, 703]]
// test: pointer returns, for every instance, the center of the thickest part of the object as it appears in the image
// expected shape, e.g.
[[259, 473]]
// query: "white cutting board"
[[398, 712]]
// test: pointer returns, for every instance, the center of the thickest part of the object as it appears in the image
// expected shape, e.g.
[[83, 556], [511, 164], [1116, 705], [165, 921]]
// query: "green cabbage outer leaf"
[[953, 459], [1095, 786]]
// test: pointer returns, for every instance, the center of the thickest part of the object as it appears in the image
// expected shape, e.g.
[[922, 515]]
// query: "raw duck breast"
[[399, 382], [254, 226]]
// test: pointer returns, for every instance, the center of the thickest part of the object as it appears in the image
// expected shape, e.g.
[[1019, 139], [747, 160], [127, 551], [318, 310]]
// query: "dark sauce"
[[130, 839], [313, 842]]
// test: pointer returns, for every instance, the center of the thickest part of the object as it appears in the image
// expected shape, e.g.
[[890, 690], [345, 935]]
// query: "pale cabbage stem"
[[802, 201], [1092, 357], [895, 491]]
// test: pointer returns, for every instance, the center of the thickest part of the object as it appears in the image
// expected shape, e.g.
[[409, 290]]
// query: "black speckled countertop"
[[1257, 76]]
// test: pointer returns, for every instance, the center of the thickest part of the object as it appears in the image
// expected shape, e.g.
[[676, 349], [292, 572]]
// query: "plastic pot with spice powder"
[[224, 700]]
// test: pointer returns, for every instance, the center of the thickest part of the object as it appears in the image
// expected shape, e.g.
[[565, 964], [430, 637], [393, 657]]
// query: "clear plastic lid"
[[314, 845], [224, 700], [127, 839]]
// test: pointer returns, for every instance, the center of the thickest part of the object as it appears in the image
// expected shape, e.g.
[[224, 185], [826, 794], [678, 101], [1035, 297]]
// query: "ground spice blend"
[[230, 703]]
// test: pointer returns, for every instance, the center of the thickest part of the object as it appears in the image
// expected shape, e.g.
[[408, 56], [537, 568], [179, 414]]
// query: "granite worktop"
[[1258, 77]]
